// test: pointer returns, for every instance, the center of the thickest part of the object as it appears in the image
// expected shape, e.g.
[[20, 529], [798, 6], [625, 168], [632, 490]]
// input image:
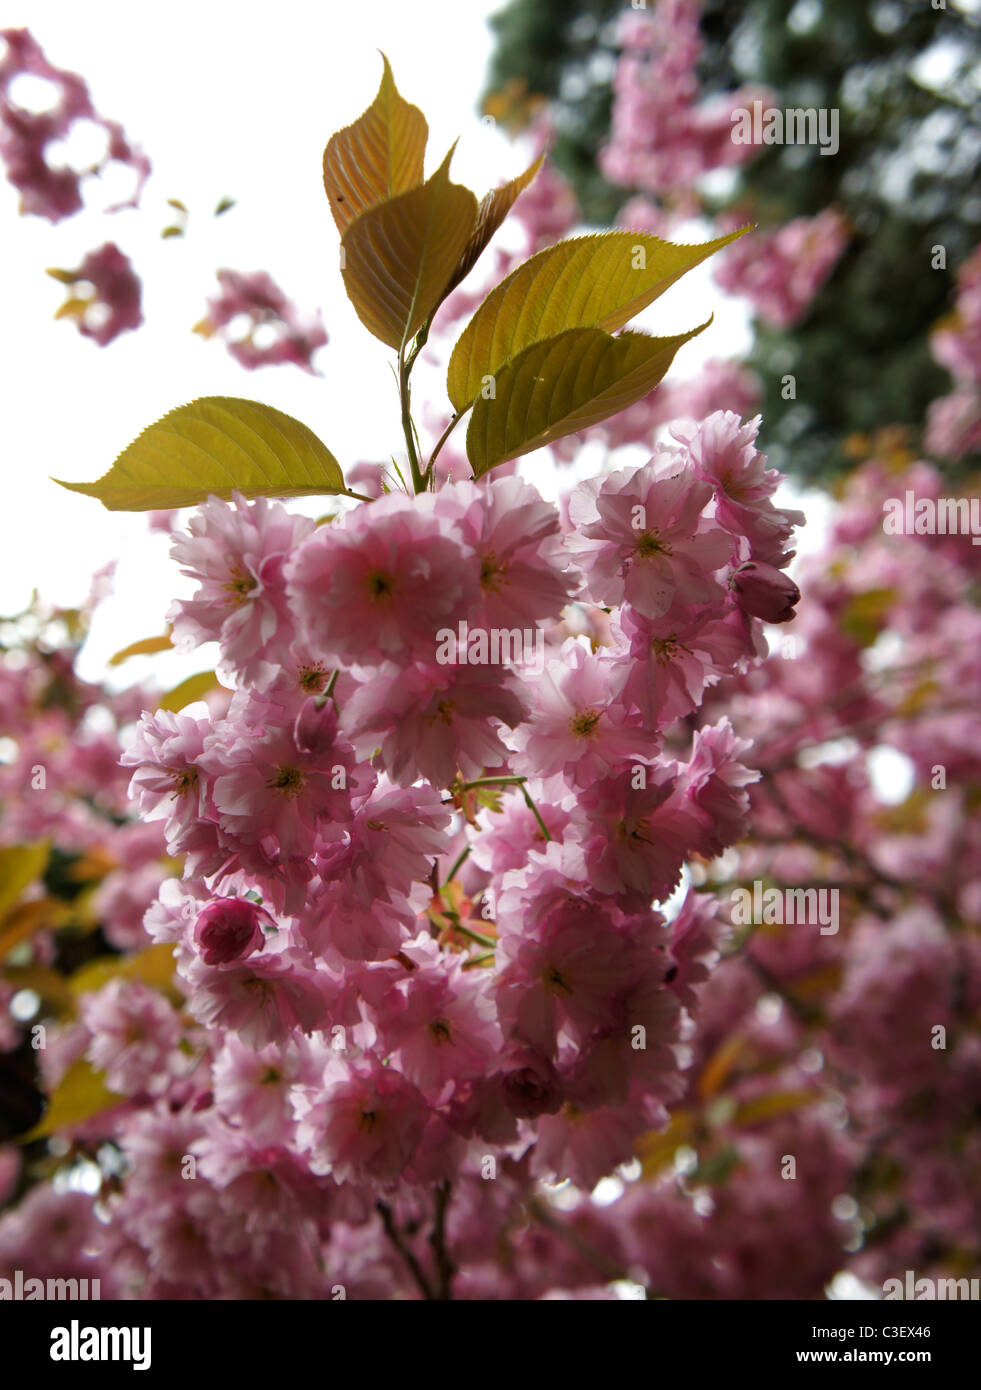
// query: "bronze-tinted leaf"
[[399, 257], [377, 157]]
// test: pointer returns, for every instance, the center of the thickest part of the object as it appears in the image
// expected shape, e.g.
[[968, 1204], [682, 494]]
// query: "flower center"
[[650, 543], [240, 584], [584, 723], [380, 585], [440, 1030], [553, 978], [368, 1119], [638, 830], [288, 780], [490, 571], [182, 780], [444, 712], [312, 678]]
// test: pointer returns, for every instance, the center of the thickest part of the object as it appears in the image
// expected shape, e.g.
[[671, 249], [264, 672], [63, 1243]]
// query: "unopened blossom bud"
[[315, 729], [531, 1086], [227, 929], [765, 592]]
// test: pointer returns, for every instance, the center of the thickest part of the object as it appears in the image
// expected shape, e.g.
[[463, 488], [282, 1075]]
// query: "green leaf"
[[20, 865], [864, 616], [22, 921], [717, 1169], [144, 647], [769, 1106], [49, 984], [213, 447], [400, 256], [377, 157], [193, 688], [598, 281], [80, 1094], [153, 966], [562, 385]]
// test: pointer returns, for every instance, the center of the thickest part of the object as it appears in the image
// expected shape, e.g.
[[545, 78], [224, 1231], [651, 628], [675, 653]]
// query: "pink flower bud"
[[765, 592], [315, 729], [531, 1086], [229, 928]]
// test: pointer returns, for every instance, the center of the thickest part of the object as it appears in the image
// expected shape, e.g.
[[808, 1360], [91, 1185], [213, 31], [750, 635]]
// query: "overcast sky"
[[227, 100]]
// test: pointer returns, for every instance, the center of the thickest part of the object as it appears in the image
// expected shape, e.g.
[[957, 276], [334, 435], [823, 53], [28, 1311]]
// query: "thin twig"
[[395, 1236], [445, 1268]]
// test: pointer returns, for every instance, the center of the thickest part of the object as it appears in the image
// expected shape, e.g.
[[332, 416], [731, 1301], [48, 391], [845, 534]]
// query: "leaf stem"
[[473, 961], [515, 782], [477, 936], [460, 859], [492, 782], [405, 367], [457, 417], [535, 812]]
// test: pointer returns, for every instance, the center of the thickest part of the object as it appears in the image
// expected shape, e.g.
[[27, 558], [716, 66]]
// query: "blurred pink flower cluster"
[[780, 272], [275, 331], [47, 188], [954, 421], [664, 133], [104, 294]]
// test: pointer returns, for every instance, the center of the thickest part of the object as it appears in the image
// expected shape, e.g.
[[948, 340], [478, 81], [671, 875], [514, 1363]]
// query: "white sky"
[[232, 99]]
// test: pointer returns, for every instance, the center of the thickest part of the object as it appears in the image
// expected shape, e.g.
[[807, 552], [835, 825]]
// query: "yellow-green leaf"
[[400, 256], [37, 914], [193, 688], [73, 308], [20, 865], [494, 207], [716, 1070], [864, 616], [215, 446], [80, 1094], [562, 385], [49, 984], [153, 966], [598, 281], [778, 1103], [377, 157], [656, 1149], [144, 647]]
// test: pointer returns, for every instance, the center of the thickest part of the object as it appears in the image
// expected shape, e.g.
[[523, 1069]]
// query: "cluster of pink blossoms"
[[105, 294], [47, 189], [882, 661], [780, 272], [664, 134], [954, 421], [275, 330], [421, 925]]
